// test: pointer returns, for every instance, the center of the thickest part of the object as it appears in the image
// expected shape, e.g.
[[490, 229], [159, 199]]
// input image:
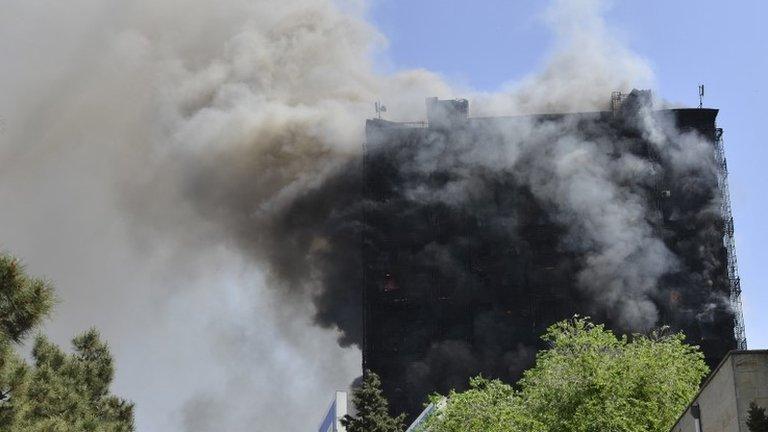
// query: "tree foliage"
[[372, 409], [58, 392], [488, 406], [757, 421], [24, 301], [588, 379]]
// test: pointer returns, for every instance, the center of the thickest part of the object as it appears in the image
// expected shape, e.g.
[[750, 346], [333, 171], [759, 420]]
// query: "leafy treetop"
[[588, 379]]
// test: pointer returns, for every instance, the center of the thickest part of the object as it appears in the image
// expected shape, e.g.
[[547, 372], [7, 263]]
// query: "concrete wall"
[[751, 375], [724, 399]]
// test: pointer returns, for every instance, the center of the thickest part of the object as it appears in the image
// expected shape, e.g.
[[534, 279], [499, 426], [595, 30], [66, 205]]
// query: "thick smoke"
[[295, 198], [272, 181], [190, 179], [110, 110], [490, 231]]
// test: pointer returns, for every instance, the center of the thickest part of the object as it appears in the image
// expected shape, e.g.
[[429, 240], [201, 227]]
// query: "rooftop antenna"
[[616, 98], [701, 96], [380, 108]]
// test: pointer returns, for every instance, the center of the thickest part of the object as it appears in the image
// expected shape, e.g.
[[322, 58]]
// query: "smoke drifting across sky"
[[148, 151]]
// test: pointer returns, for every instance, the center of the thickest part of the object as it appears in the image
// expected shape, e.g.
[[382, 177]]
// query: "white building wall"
[[724, 399], [341, 410]]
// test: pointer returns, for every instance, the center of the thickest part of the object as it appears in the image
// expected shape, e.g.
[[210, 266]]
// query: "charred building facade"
[[469, 250]]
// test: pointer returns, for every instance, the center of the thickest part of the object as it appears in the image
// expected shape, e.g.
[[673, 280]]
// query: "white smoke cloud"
[[587, 63]]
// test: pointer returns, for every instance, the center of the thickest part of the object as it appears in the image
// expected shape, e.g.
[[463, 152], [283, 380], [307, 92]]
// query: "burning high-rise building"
[[478, 233]]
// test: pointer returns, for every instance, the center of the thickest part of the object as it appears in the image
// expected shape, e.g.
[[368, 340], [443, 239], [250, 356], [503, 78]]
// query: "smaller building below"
[[723, 402]]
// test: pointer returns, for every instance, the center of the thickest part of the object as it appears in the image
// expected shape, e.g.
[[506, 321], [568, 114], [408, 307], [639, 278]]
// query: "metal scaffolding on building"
[[729, 241]]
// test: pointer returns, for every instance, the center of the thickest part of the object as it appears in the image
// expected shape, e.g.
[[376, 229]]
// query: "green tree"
[[588, 379], [372, 409], [24, 301], [58, 392], [14, 374], [757, 421], [488, 406]]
